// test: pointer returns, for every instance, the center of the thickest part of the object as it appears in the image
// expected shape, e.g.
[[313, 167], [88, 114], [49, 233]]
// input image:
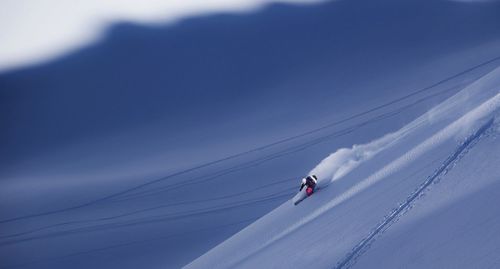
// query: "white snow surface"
[[368, 188]]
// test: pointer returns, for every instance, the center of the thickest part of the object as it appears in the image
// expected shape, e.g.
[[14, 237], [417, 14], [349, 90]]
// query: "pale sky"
[[34, 31]]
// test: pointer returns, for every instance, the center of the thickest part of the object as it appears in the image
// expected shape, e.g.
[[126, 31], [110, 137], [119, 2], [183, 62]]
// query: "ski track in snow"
[[350, 259]]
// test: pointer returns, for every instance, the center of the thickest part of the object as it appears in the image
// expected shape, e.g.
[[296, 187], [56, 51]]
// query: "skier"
[[310, 182]]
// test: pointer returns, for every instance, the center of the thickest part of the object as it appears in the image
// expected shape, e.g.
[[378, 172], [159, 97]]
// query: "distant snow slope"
[[65, 28], [372, 186]]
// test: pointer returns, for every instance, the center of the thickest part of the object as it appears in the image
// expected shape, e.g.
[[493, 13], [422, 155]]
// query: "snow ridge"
[[473, 119]]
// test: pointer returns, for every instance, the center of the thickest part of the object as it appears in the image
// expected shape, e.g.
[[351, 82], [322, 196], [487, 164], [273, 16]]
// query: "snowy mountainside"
[[155, 144], [370, 187]]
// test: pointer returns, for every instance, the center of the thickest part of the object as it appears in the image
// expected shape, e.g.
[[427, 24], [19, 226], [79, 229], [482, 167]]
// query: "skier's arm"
[[301, 186]]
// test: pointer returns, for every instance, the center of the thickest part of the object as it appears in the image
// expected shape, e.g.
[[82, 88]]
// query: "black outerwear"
[[310, 182]]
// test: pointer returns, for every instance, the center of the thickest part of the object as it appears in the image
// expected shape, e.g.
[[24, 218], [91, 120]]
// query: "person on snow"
[[310, 182]]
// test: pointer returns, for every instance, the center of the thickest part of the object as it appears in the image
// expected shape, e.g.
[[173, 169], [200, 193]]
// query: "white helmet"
[[303, 181]]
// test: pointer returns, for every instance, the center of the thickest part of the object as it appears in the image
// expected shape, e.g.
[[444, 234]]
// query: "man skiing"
[[310, 182]]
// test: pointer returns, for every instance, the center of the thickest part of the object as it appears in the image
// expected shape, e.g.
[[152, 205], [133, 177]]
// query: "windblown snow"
[[362, 185]]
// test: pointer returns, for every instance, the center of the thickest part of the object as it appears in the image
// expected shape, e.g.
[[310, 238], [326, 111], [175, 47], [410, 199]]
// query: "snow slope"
[[455, 224], [369, 187]]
